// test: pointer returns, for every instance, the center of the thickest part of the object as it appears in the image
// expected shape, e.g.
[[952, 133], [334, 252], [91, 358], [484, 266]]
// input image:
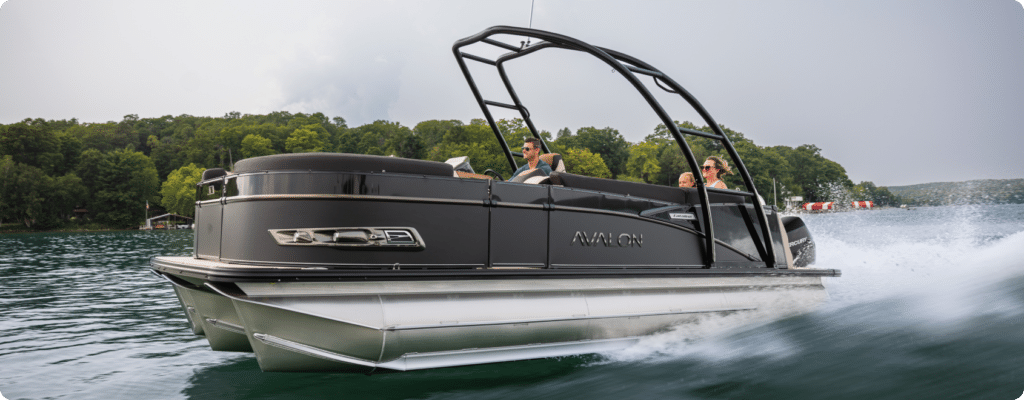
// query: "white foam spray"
[[932, 271]]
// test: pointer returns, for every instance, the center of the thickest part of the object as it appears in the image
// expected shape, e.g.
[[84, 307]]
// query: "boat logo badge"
[[367, 237], [608, 240], [686, 216]]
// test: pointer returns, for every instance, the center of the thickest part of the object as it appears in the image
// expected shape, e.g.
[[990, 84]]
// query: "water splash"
[[931, 274]]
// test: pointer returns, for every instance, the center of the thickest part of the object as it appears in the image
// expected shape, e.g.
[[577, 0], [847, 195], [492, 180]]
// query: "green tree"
[[767, 165], [125, 181], [32, 144], [432, 132], [643, 161], [66, 193], [305, 141], [204, 147], [514, 131], [90, 169], [167, 152], [671, 161], [881, 196], [256, 145], [24, 191], [472, 141], [178, 193], [382, 138], [583, 162], [6, 178], [105, 137], [608, 143], [71, 150], [819, 178]]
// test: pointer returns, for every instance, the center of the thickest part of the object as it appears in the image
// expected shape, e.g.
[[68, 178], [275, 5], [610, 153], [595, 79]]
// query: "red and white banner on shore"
[[819, 206], [862, 204]]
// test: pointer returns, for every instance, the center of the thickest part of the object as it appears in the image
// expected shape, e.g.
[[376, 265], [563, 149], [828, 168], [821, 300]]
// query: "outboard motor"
[[801, 244]]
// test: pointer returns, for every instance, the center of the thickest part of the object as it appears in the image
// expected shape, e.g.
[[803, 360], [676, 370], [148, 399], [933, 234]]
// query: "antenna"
[[527, 42], [531, 12]]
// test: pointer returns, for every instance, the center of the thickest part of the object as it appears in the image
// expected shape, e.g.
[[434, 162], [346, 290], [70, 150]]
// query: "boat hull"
[[361, 326]]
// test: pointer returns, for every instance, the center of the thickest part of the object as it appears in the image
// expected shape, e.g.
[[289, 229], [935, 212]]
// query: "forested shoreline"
[[68, 174], [981, 191]]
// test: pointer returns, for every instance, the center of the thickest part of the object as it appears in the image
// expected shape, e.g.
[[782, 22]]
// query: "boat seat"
[[470, 175], [342, 162], [532, 176], [654, 192], [555, 161]]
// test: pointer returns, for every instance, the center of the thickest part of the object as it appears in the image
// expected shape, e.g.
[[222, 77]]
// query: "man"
[[531, 152], [686, 180]]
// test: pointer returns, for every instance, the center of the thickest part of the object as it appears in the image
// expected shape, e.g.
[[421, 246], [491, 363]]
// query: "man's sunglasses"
[[527, 149]]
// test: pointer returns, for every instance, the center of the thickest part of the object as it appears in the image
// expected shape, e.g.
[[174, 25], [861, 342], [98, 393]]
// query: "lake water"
[[930, 306]]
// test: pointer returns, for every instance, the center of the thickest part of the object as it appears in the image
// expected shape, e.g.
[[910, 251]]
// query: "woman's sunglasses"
[[708, 167]]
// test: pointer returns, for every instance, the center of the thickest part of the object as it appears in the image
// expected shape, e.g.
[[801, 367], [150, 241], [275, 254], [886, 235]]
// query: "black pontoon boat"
[[359, 263]]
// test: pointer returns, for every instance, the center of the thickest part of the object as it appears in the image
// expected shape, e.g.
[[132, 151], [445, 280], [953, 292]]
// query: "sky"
[[898, 92]]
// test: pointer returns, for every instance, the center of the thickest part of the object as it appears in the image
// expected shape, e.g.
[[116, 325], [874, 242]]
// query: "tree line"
[[110, 172]]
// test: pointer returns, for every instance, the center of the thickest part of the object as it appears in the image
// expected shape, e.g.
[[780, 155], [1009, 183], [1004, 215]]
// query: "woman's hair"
[[723, 167]]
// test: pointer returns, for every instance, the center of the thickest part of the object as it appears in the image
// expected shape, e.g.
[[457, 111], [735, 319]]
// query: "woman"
[[713, 169], [686, 180]]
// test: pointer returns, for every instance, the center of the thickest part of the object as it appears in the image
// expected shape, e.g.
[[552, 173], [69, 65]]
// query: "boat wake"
[[937, 289]]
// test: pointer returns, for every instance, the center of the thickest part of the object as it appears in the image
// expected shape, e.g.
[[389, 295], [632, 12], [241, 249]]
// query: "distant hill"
[[983, 191]]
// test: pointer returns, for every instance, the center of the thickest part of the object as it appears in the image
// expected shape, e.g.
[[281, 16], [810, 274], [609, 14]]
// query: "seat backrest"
[[533, 176], [464, 174], [555, 161], [655, 192], [342, 162]]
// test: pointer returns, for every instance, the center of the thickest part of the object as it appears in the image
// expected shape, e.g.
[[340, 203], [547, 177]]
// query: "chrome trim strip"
[[518, 205], [560, 319], [479, 323], [375, 266], [520, 286], [228, 263], [312, 172], [310, 350], [686, 266], [226, 326], [529, 265], [258, 197], [234, 298], [414, 361], [176, 284]]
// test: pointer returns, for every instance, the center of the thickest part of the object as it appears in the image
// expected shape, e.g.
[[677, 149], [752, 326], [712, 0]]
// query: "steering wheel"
[[496, 175]]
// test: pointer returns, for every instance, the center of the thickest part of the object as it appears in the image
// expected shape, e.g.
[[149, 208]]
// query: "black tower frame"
[[628, 67]]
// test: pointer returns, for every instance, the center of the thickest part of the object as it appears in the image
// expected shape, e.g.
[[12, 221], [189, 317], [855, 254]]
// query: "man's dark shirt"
[[543, 166]]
